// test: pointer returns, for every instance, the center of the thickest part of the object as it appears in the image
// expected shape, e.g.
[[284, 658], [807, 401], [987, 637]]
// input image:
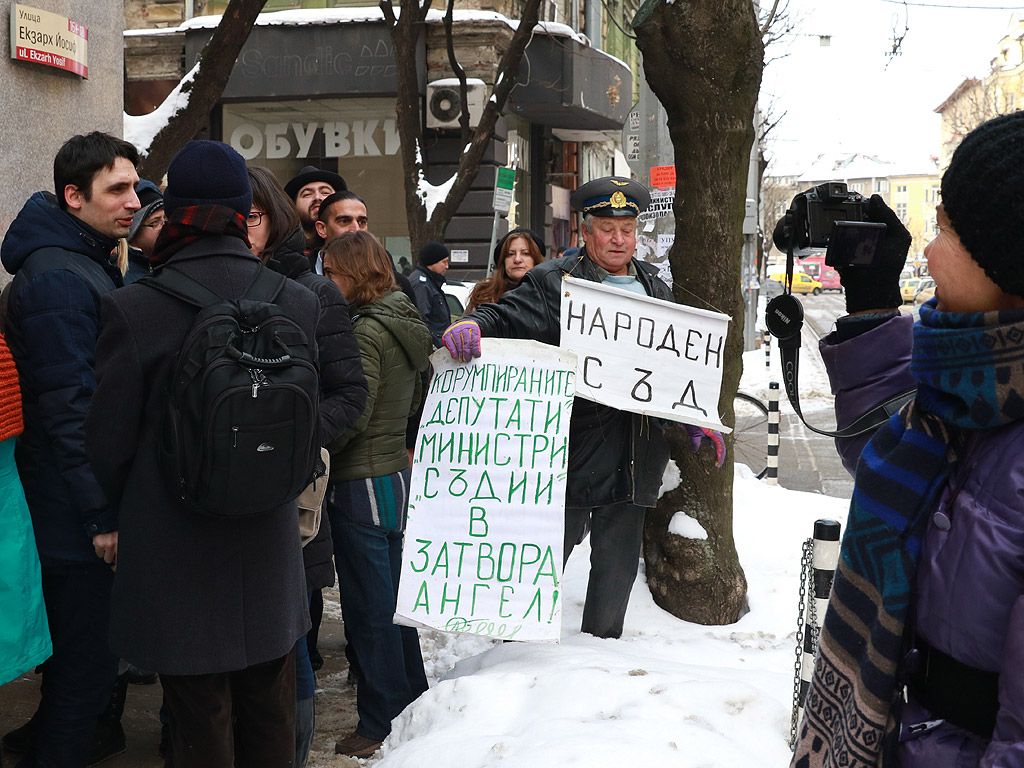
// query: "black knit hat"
[[983, 195], [433, 252], [208, 173], [151, 199]]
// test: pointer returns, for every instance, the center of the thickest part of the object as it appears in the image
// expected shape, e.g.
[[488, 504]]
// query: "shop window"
[[357, 138]]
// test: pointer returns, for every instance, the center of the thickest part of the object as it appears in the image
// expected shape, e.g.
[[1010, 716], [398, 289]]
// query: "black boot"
[[20, 739], [110, 738]]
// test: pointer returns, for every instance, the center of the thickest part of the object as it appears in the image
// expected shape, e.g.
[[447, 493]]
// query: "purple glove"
[[462, 339], [699, 434]]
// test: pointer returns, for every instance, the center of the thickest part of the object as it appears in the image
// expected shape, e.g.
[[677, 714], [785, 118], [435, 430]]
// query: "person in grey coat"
[[215, 605]]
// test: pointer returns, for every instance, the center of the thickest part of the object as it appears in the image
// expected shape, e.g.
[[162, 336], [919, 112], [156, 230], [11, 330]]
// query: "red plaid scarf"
[[188, 224]]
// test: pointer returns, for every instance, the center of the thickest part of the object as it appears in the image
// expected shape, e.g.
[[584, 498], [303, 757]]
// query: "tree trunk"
[[703, 60], [405, 31], [217, 61]]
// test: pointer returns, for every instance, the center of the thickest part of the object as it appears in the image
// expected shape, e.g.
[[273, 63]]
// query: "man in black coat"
[[214, 604], [427, 279], [616, 458], [58, 249]]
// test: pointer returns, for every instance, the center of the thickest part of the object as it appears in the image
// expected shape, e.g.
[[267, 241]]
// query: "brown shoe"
[[355, 745]]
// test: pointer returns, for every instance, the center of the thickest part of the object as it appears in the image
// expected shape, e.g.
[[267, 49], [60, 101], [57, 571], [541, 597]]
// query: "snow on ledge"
[[453, 82], [320, 16]]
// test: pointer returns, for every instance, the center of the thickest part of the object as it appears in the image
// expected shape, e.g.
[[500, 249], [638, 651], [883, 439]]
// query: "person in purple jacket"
[[921, 661]]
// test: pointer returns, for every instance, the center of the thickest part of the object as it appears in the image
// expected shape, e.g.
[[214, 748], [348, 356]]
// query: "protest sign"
[[644, 355], [483, 545]]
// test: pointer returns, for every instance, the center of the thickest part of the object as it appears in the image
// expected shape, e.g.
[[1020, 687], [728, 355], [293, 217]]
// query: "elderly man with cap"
[[310, 188], [146, 226], [215, 605], [616, 459]]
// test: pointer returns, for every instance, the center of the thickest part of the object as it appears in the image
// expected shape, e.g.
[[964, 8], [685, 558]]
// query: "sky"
[[668, 693], [851, 96]]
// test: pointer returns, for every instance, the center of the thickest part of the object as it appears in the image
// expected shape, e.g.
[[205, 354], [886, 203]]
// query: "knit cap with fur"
[[983, 195]]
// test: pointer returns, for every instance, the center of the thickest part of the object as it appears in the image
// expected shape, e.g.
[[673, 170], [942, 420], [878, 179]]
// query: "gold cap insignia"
[[619, 183], [618, 200]]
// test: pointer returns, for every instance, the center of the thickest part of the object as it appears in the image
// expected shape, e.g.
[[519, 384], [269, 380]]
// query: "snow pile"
[[668, 693]]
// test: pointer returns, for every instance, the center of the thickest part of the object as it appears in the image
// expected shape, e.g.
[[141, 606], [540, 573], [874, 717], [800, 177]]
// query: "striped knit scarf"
[[188, 224], [970, 376]]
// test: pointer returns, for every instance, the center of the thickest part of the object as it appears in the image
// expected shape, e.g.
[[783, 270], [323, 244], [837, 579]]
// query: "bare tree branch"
[[217, 61], [460, 73], [405, 33]]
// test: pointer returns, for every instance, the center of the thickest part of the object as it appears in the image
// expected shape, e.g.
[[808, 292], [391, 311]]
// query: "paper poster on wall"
[[644, 355], [483, 545]]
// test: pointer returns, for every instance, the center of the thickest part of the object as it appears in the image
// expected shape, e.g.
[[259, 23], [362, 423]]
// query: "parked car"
[[802, 283], [457, 294], [908, 288], [925, 290]]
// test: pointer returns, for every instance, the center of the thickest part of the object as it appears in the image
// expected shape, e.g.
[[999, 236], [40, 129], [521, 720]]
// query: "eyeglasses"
[[156, 226], [254, 218]]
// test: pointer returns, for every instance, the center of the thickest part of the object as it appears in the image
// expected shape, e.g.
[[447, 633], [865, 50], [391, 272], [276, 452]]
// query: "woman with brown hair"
[[275, 236], [517, 253], [369, 486]]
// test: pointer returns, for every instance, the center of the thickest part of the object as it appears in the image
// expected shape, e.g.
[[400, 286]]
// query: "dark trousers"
[[78, 677], [616, 538], [369, 562], [244, 718]]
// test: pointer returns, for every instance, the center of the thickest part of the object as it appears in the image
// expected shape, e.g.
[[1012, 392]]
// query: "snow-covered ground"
[[668, 693]]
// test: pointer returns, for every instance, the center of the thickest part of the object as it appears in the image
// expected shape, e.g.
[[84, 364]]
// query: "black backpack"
[[240, 434]]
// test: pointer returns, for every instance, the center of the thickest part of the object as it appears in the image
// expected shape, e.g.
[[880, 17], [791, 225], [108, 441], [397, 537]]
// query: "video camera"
[[830, 217], [827, 216]]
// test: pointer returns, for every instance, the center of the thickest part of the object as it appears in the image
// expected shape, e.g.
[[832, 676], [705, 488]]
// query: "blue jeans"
[[369, 561]]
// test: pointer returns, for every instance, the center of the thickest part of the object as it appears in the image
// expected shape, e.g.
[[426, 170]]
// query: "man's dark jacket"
[[194, 593], [340, 369], [614, 455], [430, 301], [61, 269]]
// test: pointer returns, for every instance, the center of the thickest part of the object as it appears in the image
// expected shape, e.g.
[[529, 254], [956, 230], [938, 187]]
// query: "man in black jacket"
[[427, 279], [58, 249], [616, 458]]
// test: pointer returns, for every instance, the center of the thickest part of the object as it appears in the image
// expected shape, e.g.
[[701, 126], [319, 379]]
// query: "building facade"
[[976, 100], [316, 86], [45, 105]]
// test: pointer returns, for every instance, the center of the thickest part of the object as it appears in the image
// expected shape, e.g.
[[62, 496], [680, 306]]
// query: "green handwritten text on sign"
[[483, 548]]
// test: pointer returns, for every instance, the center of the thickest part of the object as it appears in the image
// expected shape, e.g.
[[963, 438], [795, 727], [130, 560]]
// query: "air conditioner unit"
[[444, 104]]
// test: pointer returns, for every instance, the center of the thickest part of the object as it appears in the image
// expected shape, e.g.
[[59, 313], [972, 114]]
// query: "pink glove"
[[699, 434], [462, 339]]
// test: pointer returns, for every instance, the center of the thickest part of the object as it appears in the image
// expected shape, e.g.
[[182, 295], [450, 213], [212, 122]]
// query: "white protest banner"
[[483, 545], [644, 355]]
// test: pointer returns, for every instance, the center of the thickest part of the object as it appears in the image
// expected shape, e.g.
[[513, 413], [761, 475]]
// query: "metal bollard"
[[767, 351], [816, 585], [772, 475]]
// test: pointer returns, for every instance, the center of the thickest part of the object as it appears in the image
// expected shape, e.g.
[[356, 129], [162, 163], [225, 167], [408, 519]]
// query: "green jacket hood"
[[400, 316]]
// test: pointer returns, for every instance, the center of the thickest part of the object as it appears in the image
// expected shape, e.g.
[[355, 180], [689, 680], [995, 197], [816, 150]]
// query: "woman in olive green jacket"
[[369, 486]]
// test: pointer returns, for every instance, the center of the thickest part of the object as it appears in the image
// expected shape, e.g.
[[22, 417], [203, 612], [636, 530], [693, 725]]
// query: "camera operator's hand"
[[877, 287]]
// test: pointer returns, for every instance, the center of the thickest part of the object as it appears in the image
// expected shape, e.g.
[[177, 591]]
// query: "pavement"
[[336, 706]]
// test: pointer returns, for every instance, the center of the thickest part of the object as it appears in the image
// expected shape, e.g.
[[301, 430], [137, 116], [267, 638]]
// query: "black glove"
[[878, 286]]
